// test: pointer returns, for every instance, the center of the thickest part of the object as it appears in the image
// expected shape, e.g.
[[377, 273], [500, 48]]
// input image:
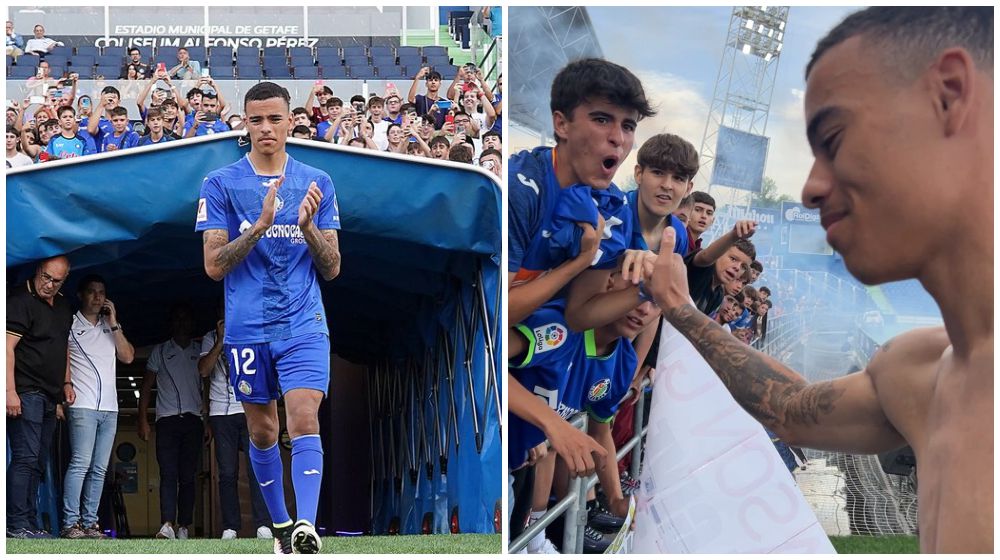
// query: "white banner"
[[712, 481]]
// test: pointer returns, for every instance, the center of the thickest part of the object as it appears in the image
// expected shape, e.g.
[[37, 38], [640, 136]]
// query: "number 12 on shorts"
[[248, 359]]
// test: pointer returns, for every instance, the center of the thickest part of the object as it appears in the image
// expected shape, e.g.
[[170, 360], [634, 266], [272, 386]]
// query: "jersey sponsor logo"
[[202, 210], [245, 389], [292, 232], [549, 337], [566, 412], [279, 203], [599, 390]]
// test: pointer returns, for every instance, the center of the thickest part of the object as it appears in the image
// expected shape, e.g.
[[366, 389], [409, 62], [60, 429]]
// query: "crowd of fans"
[[462, 123], [583, 332]]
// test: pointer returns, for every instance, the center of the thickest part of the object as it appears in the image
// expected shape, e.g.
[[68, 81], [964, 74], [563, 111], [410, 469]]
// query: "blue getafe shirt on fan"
[[274, 293]]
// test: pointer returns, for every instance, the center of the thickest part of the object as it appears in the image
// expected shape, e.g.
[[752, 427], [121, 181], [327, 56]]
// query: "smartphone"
[[449, 119], [85, 102], [204, 72], [460, 130], [36, 99], [161, 66], [57, 94], [40, 72], [211, 117], [105, 310], [444, 104]]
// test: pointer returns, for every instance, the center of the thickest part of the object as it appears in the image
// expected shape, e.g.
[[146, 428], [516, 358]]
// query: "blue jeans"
[[30, 436], [91, 437]]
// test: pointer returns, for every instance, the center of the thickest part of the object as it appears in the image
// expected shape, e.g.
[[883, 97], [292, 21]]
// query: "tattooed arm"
[[222, 255], [843, 414], [323, 244]]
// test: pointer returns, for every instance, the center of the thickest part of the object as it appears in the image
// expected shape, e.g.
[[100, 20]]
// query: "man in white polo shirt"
[[173, 368], [229, 428], [95, 341]]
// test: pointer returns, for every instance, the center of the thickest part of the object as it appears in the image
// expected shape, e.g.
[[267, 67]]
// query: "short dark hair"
[[356, 140], [750, 292], [301, 129], [911, 36], [670, 153], [596, 78], [406, 107], [326, 91], [193, 92], [461, 153], [390, 127], [119, 111], [168, 102], [111, 89], [491, 152], [432, 75], [266, 90], [88, 280], [300, 111], [439, 139], [700, 197], [492, 133], [209, 95], [62, 109], [757, 266], [746, 247], [153, 112], [357, 99], [133, 49], [375, 100], [765, 289], [687, 201]]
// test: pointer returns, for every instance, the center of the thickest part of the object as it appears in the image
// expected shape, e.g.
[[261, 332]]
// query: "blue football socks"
[[268, 470], [307, 475]]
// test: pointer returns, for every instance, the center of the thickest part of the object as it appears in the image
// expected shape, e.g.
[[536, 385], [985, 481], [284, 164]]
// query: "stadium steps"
[[426, 38], [880, 299]]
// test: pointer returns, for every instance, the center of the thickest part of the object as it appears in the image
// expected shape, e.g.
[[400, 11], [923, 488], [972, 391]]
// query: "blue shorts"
[[260, 373]]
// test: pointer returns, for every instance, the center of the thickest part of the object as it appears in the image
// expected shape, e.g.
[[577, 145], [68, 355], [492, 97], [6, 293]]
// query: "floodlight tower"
[[745, 83]]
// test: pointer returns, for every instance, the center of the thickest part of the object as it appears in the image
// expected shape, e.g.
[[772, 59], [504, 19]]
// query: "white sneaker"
[[229, 534], [305, 540], [182, 533], [264, 532], [166, 532], [546, 548]]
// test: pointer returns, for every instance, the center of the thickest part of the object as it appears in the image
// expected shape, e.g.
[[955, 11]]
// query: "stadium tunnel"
[[411, 425]]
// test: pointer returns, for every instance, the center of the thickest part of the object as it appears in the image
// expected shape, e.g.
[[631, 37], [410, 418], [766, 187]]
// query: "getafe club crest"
[[278, 202], [598, 390], [245, 388]]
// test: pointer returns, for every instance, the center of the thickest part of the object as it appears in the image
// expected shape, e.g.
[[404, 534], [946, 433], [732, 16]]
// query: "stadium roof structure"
[[544, 40]]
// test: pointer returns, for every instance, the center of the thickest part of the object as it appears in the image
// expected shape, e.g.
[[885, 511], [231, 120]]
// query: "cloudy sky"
[[676, 52]]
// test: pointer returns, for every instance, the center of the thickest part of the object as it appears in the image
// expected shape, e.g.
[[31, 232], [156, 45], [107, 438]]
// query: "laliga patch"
[[245, 388], [599, 390], [549, 337], [202, 210]]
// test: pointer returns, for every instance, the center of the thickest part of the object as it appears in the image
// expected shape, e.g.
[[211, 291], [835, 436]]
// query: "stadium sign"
[[794, 213], [187, 41], [739, 159]]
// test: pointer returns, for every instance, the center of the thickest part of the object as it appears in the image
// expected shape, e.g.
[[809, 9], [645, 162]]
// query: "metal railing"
[[574, 504]]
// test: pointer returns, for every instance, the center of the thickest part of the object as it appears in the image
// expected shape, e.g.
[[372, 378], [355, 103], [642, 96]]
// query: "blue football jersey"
[[607, 377], [639, 242], [273, 294]]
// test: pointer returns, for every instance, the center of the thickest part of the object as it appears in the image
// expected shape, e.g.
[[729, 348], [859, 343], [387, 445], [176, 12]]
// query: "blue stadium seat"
[[224, 72], [274, 52], [438, 60], [56, 71], [247, 55], [57, 60], [299, 60], [411, 61], [327, 51], [306, 72], [196, 53], [88, 50], [333, 72], [83, 60], [9, 60], [301, 52], [278, 72], [28, 60], [271, 60], [354, 50], [21, 72], [109, 72], [61, 51], [111, 60], [380, 51], [220, 60], [219, 51], [383, 60], [85, 72], [435, 50], [407, 51], [361, 72], [167, 55], [355, 60], [254, 71], [328, 60], [390, 71], [448, 72]]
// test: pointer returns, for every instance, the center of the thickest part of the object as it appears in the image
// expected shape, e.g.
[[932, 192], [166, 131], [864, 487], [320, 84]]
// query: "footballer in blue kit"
[[270, 230]]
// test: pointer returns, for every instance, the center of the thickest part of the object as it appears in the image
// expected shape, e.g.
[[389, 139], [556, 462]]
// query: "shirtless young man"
[[899, 105]]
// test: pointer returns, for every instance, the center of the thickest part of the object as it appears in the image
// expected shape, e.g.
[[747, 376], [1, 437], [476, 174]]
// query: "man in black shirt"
[[135, 63], [706, 283], [38, 323]]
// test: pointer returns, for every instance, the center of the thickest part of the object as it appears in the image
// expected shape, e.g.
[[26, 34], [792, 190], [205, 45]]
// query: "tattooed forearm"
[[325, 250], [221, 255], [771, 392]]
